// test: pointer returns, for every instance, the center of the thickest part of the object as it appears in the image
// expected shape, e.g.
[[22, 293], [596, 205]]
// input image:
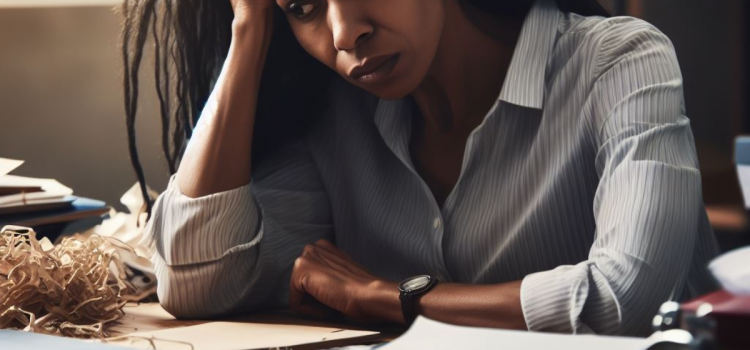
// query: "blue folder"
[[80, 208]]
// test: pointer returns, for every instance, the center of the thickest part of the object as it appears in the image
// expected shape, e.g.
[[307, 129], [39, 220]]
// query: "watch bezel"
[[430, 281]]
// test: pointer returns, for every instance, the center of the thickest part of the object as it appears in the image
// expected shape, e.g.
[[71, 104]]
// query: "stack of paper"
[[23, 194], [32, 202]]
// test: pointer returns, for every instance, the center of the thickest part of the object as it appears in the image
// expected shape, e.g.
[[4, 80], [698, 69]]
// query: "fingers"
[[327, 249], [297, 285], [307, 277], [331, 248], [327, 258], [325, 282], [302, 289]]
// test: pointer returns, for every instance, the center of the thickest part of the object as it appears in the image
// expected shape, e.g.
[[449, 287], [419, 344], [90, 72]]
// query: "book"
[[79, 208], [38, 205]]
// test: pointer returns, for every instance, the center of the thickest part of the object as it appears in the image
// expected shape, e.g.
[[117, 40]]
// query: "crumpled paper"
[[128, 228]]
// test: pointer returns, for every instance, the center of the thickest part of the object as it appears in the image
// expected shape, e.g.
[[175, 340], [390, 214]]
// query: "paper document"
[[51, 189], [20, 195], [27, 190], [264, 331], [429, 334], [8, 165], [238, 336], [732, 270], [147, 317]]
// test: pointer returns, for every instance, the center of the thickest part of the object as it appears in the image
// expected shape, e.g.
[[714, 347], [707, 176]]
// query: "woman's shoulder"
[[606, 31], [609, 41]]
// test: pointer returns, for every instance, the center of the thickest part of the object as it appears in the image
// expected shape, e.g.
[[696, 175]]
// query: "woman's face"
[[383, 46]]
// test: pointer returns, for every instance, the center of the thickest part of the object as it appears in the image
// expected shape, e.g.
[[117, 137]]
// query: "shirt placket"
[[394, 120]]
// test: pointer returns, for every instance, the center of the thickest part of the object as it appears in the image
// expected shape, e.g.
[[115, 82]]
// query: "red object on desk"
[[732, 315]]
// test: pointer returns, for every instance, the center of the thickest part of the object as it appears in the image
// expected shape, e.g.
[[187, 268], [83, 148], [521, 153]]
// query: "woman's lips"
[[374, 69]]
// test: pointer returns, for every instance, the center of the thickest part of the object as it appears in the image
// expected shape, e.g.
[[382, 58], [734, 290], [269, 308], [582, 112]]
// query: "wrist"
[[381, 301], [252, 19], [252, 32]]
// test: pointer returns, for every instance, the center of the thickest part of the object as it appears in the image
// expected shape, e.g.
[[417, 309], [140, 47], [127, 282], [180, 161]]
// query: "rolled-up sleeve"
[[648, 202], [232, 251]]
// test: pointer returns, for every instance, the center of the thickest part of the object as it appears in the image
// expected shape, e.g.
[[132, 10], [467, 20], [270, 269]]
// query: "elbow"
[[181, 296], [206, 290], [177, 308], [186, 293], [627, 309]]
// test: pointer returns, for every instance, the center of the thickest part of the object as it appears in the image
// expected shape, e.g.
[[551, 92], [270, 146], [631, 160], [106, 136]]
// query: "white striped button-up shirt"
[[582, 181]]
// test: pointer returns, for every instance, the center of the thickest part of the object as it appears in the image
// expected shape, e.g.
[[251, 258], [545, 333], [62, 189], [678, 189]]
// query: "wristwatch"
[[411, 289]]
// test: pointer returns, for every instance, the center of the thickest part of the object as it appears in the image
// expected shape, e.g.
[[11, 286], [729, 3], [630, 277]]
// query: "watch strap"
[[409, 301], [407, 308]]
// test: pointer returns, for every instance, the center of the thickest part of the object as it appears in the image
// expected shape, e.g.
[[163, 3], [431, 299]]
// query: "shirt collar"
[[524, 82]]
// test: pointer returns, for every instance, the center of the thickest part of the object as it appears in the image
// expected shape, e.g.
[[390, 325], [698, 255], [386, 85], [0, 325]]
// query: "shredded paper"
[[75, 288]]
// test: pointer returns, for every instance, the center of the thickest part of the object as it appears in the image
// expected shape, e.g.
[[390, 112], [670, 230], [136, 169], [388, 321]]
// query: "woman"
[[461, 148]]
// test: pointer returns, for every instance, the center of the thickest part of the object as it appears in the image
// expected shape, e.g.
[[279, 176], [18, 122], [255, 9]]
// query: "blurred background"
[[61, 104]]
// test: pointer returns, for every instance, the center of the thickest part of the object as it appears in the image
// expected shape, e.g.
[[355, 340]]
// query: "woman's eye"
[[300, 10]]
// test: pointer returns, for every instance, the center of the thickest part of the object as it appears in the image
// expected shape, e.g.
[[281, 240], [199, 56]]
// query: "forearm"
[[496, 305], [218, 157]]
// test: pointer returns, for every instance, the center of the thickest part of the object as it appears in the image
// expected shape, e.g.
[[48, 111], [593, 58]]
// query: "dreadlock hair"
[[191, 39]]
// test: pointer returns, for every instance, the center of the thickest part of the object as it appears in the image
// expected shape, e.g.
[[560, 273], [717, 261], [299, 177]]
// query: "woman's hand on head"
[[242, 8], [252, 16]]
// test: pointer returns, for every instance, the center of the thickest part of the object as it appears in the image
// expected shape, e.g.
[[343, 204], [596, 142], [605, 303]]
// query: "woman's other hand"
[[325, 281]]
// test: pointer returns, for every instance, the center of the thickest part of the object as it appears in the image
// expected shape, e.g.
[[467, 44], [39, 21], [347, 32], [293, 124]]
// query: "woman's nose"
[[348, 22]]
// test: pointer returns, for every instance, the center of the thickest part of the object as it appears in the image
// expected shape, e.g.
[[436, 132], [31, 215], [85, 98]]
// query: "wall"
[[61, 104], [710, 38]]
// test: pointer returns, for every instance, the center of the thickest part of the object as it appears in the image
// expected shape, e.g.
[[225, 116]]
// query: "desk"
[[150, 317]]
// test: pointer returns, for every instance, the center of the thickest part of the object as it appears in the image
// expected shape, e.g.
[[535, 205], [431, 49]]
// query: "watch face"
[[415, 283]]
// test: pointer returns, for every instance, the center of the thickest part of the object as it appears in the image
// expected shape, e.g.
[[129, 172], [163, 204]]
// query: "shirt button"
[[437, 223]]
